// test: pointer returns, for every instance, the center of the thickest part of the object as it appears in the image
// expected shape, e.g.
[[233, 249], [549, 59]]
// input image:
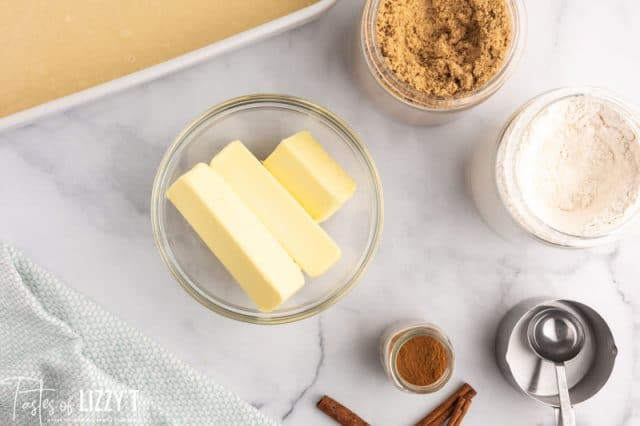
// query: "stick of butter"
[[305, 241], [236, 236], [310, 175]]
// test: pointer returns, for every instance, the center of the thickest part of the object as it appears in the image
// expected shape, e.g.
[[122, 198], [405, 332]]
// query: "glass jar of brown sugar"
[[417, 357], [387, 89]]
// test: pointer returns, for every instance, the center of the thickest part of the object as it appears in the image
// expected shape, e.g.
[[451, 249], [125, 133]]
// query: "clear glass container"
[[261, 122], [392, 341], [497, 194], [405, 103]]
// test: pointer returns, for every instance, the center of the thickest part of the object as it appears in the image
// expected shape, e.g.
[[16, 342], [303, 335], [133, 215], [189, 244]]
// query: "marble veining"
[[75, 196], [316, 372]]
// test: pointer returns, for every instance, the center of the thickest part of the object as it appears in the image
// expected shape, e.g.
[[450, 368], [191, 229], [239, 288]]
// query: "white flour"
[[579, 166]]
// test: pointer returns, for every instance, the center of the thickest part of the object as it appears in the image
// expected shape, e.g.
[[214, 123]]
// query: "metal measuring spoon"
[[557, 336]]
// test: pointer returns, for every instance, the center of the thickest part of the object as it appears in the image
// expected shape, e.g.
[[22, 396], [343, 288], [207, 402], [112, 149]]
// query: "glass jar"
[[405, 103], [495, 188], [392, 341]]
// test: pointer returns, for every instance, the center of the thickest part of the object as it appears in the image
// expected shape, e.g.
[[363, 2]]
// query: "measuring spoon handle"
[[566, 410]]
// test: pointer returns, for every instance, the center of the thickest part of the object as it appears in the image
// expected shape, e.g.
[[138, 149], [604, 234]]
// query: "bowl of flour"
[[568, 168]]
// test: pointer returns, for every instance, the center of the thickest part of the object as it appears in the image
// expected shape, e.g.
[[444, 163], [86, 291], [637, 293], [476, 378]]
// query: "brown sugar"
[[422, 360], [444, 48]]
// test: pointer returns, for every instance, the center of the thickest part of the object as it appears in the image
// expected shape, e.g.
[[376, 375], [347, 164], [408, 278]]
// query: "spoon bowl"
[[555, 335]]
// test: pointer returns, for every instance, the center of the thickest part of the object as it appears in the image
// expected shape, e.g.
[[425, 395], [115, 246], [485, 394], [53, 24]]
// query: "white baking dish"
[[180, 62]]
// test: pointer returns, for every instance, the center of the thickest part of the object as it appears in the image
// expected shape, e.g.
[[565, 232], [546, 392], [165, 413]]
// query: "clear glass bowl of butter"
[[261, 122]]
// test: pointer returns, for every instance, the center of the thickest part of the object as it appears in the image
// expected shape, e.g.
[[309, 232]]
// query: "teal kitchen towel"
[[65, 360]]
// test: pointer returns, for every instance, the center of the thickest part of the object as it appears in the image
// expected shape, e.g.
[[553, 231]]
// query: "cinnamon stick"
[[443, 417], [460, 412], [447, 406], [339, 412]]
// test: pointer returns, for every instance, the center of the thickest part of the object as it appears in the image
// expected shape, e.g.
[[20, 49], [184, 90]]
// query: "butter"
[[236, 236], [305, 169], [305, 241]]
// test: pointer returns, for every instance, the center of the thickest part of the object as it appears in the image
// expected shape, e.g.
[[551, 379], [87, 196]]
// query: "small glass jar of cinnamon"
[[417, 357]]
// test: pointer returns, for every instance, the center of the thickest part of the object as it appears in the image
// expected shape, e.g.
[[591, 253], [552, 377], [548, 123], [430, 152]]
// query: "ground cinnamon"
[[444, 47], [422, 360]]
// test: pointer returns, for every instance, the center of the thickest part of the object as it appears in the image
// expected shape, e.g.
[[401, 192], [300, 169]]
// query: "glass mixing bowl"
[[261, 122]]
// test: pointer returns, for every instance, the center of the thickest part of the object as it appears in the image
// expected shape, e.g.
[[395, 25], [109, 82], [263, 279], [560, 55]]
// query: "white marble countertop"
[[75, 197]]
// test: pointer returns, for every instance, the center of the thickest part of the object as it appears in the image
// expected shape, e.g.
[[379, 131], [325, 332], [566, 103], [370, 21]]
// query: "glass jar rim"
[[406, 94], [403, 337], [505, 168]]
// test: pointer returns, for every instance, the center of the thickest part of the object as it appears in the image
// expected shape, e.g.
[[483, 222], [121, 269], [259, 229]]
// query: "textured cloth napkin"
[[65, 360]]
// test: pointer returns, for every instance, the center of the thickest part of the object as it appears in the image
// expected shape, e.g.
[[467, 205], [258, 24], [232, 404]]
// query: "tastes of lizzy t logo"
[[30, 400]]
